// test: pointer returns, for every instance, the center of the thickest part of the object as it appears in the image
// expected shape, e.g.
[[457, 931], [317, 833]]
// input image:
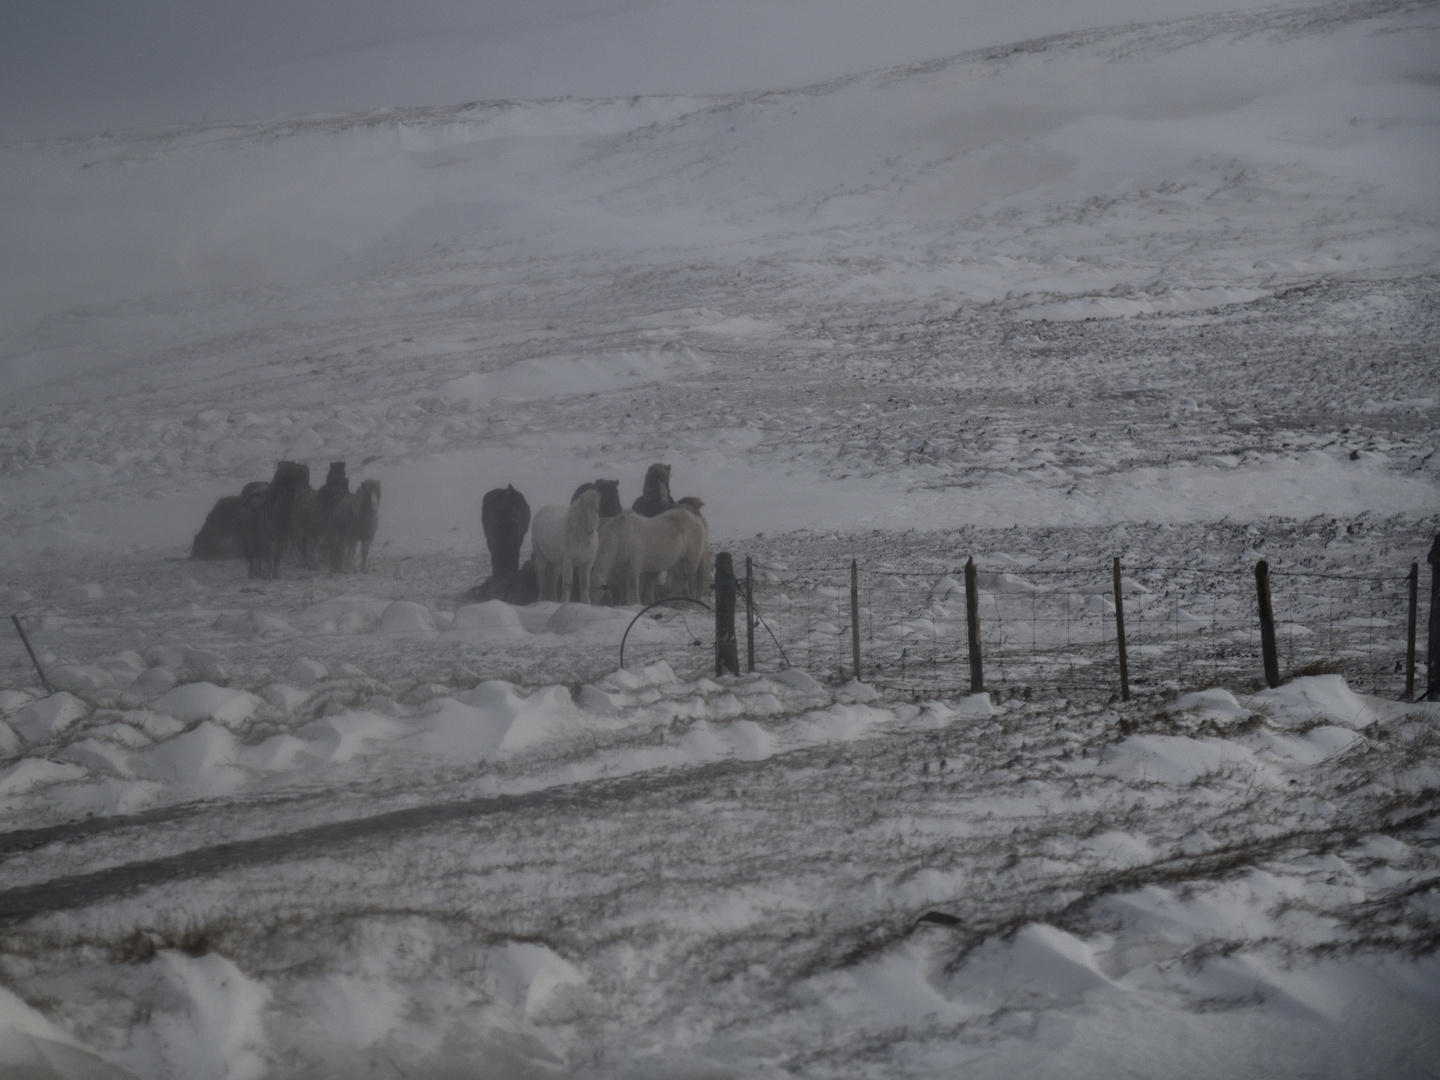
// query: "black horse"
[[505, 517], [609, 490], [335, 488], [270, 516], [223, 534], [518, 588]]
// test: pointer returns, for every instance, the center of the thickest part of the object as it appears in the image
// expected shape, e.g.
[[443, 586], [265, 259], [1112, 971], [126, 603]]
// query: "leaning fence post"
[[749, 615], [725, 587], [1432, 651], [1120, 634], [855, 618], [1267, 624], [972, 626], [1410, 632], [33, 658]]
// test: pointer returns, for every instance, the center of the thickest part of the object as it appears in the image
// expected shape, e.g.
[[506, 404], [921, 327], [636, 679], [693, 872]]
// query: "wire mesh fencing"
[[1047, 629]]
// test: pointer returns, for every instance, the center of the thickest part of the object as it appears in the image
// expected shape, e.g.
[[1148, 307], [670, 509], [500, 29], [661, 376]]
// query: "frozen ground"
[[1166, 291]]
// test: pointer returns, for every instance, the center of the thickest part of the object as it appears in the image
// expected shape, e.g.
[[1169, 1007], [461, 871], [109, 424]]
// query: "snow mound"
[[201, 762], [407, 617], [340, 738], [797, 680], [658, 674], [46, 719], [80, 677], [1172, 759], [250, 623], [975, 705], [495, 615], [355, 1012], [305, 672], [32, 1046], [573, 618], [493, 720], [13, 701], [1041, 965], [342, 615], [206, 701], [542, 986], [25, 776], [204, 1018], [98, 755], [1216, 702], [285, 698], [1006, 583], [1326, 697]]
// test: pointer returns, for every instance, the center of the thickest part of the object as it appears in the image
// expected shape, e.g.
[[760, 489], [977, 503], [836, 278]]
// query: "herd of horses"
[[594, 551], [268, 519]]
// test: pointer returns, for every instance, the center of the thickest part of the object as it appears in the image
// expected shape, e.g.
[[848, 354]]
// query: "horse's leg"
[[364, 556], [582, 574]]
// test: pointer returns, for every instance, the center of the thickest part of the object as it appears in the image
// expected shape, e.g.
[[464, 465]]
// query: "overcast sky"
[[83, 66]]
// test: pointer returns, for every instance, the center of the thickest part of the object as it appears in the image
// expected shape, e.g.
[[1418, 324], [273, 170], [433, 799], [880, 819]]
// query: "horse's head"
[[609, 497]]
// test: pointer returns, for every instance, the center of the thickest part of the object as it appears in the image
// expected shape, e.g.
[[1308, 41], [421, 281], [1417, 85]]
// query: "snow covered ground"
[[1164, 290]]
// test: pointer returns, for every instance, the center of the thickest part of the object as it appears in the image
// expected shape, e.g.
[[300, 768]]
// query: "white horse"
[[563, 543], [635, 549]]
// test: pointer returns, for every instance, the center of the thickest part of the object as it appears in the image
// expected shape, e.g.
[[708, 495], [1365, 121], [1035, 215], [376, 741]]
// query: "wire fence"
[[1051, 630]]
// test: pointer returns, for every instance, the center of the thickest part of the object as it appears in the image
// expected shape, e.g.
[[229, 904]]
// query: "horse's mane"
[[290, 474]]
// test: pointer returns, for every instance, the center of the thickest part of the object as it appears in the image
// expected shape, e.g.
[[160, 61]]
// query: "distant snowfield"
[[1071, 282]]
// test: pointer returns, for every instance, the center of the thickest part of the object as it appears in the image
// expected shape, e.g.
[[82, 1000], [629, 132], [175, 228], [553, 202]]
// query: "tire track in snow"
[[80, 890]]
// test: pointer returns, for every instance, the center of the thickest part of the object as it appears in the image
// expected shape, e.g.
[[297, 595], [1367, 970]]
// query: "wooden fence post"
[[1267, 624], [855, 618], [1410, 631], [749, 615], [1120, 634], [726, 658], [1432, 650], [972, 626]]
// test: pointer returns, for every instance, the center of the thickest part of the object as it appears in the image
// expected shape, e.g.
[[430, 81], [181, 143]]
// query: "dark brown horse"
[[655, 499]]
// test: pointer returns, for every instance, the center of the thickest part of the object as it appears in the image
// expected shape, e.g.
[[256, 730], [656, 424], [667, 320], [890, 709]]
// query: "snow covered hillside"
[[1162, 288]]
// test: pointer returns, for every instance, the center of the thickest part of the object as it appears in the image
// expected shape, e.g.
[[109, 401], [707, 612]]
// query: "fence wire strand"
[[1048, 630]]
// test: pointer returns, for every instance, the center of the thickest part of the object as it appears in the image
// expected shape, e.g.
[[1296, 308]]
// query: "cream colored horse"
[[634, 550]]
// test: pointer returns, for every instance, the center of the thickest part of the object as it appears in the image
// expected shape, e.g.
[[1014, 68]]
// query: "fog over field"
[[1037, 283]]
